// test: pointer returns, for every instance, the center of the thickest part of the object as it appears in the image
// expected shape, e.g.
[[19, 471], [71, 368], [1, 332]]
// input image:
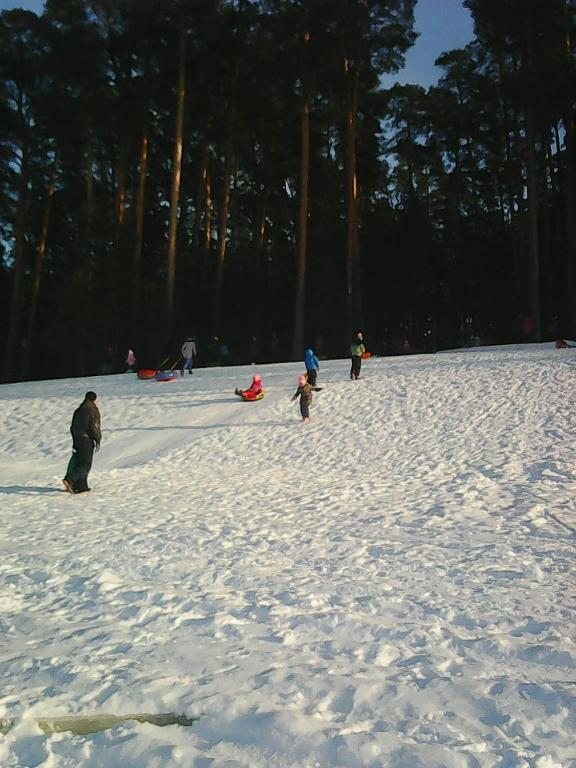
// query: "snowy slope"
[[391, 585]]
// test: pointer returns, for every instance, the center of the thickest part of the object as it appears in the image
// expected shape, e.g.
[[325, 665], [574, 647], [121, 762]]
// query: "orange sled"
[[147, 374], [249, 397]]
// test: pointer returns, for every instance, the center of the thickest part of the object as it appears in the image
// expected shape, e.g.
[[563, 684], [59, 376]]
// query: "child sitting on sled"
[[254, 392], [304, 392]]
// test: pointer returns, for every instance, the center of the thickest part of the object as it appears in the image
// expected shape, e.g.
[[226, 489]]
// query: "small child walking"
[[304, 392]]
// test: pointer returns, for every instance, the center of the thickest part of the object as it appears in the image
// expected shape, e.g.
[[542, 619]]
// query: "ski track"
[[391, 585]]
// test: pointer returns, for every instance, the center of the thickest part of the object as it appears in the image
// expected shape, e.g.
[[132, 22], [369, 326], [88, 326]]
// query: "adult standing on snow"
[[86, 437], [357, 349], [188, 355]]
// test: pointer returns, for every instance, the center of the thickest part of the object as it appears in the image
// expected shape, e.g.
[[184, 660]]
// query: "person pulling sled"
[[188, 354]]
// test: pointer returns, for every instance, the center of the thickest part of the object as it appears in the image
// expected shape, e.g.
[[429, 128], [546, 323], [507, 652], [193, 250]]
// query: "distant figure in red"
[[130, 360], [255, 391], [561, 344]]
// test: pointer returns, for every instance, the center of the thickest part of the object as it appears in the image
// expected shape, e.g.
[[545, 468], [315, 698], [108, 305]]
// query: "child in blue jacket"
[[312, 366]]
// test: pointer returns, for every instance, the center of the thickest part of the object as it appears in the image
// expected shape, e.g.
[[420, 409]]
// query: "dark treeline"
[[235, 168]]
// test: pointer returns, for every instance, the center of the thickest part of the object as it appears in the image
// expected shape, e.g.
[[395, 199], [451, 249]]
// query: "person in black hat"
[[86, 437], [357, 349]]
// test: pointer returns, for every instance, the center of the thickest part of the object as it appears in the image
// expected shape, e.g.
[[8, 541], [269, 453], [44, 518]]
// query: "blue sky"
[[442, 24]]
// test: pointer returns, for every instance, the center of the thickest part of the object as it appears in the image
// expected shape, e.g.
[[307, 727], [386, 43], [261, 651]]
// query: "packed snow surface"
[[389, 585]]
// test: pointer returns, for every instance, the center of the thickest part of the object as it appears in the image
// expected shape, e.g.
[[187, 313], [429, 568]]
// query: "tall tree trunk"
[[121, 189], [532, 187], [119, 279], [201, 195], [260, 241], [89, 202], [260, 227], [558, 173], [299, 300], [549, 308], [570, 217], [456, 189], [225, 205], [14, 320], [533, 246], [353, 287], [222, 239], [84, 275], [176, 180], [139, 234], [570, 189], [38, 264], [207, 242], [512, 190]]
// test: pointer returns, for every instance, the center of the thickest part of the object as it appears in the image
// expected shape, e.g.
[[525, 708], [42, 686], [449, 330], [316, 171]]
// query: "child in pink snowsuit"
[[255, 391], [131, 360]]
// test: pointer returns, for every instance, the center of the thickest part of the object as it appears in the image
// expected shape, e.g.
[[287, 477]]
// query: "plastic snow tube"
[[250, 397], [147, 373], [165, 376]]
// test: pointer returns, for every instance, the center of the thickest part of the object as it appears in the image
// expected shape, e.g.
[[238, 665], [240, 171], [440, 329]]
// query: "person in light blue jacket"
[[312, 366]]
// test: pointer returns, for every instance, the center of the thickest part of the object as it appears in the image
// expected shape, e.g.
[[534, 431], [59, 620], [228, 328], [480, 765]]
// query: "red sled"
[[366, 355], [248, 396], [147, 373]]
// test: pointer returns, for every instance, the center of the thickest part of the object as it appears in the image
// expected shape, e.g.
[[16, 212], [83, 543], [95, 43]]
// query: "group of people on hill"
[[86, 429]]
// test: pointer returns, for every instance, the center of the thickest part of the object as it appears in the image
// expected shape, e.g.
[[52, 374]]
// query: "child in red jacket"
[[254, 392]]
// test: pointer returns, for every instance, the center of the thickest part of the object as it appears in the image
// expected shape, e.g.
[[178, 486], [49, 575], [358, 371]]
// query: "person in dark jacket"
[[304, 392], [357, 349], [86, 437]]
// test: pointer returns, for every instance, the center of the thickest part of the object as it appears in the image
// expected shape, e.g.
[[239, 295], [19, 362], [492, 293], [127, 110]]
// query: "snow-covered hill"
[[391, 585]]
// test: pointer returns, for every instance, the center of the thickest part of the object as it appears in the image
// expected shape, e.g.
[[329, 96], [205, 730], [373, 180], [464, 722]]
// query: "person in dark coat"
[[86, 437], [357, 349]]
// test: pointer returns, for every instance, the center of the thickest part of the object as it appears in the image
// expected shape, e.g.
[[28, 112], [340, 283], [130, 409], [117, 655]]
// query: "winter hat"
[[90, 395], [302, 379]]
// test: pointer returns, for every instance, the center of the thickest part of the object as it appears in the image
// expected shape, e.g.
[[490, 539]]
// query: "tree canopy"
[[235, 168]]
